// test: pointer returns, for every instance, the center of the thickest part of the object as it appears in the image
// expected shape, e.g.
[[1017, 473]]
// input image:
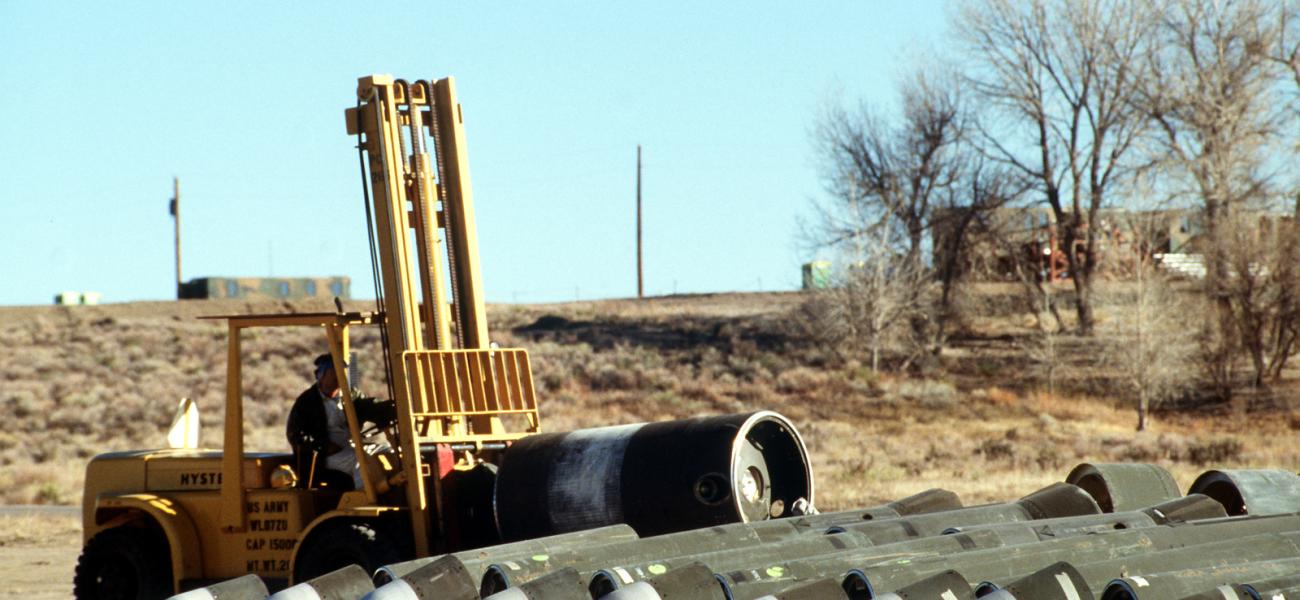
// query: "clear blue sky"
[[104, 102]]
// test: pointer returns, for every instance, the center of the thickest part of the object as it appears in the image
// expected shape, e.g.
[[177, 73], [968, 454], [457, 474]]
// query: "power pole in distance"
[[640, 280], [176, 212]]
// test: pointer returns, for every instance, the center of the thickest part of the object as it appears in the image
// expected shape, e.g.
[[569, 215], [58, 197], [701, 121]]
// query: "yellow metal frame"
[[444, 395], [175, 524], [453, 387], [234, 516]]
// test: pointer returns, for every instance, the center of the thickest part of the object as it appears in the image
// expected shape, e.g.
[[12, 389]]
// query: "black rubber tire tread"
[[334, 545], [124, 563]]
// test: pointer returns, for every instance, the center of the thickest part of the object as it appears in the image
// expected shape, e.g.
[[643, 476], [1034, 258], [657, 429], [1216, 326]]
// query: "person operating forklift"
[[318, 430]]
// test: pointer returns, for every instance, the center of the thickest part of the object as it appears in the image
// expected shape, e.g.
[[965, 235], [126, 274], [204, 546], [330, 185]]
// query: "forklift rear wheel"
[[346, 542], [125, 563]]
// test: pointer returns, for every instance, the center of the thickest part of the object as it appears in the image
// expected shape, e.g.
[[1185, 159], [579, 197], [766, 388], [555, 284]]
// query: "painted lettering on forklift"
[[201, 478], [274, 544], [266, 565], [269, 525], [275, 506]]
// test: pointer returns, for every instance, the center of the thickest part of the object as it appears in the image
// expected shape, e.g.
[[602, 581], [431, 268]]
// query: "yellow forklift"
[[160, 521]]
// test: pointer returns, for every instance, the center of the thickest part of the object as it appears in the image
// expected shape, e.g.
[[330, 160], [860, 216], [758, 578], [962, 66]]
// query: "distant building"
[[276, 288], [75, 298], [1010, 238], [817, 275]]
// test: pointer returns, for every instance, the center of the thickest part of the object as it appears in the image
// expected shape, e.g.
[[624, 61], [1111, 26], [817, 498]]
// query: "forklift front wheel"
[[333, 546], [124, 563]]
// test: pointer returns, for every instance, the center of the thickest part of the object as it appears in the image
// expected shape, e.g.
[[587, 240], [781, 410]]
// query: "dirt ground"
[[38, 553]]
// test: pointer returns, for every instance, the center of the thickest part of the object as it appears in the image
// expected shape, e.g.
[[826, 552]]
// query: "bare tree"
[[1061, 77], [1151, 336], [1262, 289], [1045, 347], [1288, 47], [886, 177], [1213, 93], [962, 220], [875, 293], [896, 173]]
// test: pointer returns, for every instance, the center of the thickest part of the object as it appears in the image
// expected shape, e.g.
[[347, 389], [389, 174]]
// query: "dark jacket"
[[308, 429]]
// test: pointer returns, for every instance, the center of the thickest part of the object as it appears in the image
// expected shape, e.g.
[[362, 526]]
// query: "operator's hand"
[[383, 413]]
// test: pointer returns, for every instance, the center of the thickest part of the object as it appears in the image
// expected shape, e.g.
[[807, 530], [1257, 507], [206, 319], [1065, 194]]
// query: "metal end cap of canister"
[[1119, 487], [857, 586], [1192, 507], [351, 581], [1059, 500], [945, 584], [247, 587], [929, 501], [1060, 581], [817, 589]]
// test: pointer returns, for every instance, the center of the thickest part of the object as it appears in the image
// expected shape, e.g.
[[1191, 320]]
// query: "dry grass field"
[[84, 380]]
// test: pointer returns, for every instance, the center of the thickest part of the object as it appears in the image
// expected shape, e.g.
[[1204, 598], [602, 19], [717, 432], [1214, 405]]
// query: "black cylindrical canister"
[[657, 477]]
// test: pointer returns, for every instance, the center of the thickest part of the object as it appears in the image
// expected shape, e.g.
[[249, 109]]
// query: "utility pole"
[[640, 280], [176, 212]]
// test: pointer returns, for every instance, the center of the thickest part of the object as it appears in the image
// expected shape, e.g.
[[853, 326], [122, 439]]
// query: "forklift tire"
[[346, 542], [124, 563]]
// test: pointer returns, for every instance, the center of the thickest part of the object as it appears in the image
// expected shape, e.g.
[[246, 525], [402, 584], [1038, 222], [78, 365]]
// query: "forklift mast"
[[457, 398]]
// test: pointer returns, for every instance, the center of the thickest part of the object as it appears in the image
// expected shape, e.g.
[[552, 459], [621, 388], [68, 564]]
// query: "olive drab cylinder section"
[[1058, 580], [1251, 491], [1176, 584], [656, 477], [817, 589], [445, 579], [940, 586], [351, 581], [1124, 486]]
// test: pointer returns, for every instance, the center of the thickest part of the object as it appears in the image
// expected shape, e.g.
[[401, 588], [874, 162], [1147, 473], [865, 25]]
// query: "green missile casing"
[[754, 578], [948, 585], [1191, 508], [343, 584], [1278, 588], [1058, 580], [1236, 591], [817, 589], [1180, 583], [561, 583], [693, 582], [751, 565], [477, 560], [1226, 547], [1056, 499], [930, 501], [889, 534], [1120, 487], [614, 574], [1251, 491], [1006, 563], [514, 570], [445, 579]]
